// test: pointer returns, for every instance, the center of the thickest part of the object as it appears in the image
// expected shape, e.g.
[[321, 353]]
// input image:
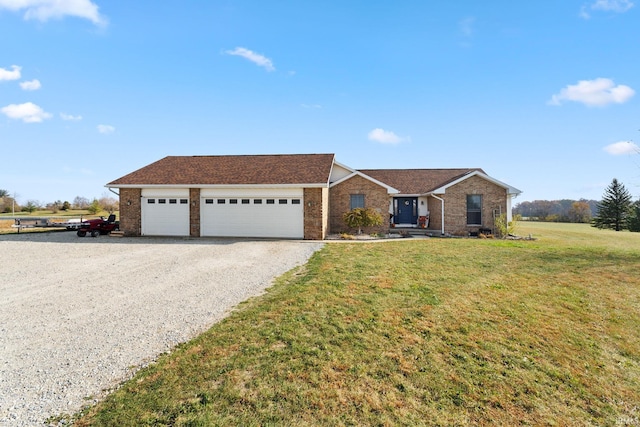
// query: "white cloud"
[[106, 129], [31, 85], [583, 13], [466, 26], [385, 137], [27, 112], [69, 117], [43, 10], [617, 6], [598, 92], [256, 58], [622, 147], [14, 74]]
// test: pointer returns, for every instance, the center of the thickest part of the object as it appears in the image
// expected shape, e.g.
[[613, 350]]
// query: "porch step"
[[116, 233], [410, 231]]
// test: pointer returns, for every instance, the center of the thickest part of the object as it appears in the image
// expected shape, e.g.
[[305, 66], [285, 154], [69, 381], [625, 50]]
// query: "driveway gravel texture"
[[80, 315]]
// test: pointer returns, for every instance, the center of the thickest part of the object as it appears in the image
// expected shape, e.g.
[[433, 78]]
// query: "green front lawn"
[[417, 332]]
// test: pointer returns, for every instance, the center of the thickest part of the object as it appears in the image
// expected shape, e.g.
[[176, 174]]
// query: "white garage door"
[[165, 212], [252, 213]]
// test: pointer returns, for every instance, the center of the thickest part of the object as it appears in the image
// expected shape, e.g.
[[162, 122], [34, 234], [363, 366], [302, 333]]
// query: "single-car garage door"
[[165, 212], [252, 213]]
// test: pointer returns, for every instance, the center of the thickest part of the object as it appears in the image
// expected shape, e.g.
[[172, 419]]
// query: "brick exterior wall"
[[323, 208], [435, 213], [194, 212], [455, 205], [130, 213], [375, 197], [315, 213]]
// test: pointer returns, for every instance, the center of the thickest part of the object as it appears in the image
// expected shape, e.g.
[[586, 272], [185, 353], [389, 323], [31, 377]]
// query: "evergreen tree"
[[634, 217], [614, 209]]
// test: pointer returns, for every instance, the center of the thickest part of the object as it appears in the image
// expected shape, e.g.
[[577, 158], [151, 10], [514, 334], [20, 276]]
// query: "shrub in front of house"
[[362, 217]]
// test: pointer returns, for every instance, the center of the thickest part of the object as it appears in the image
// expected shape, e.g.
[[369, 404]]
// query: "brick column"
[[313, 214], [130, 211], [194, 212]]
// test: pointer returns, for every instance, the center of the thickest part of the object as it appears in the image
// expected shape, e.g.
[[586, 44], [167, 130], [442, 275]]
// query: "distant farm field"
[[417, 332]]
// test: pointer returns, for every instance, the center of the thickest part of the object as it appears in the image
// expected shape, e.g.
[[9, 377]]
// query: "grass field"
[[417, 332]]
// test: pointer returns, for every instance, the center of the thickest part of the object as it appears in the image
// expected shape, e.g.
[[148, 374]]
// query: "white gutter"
[[442, 216]]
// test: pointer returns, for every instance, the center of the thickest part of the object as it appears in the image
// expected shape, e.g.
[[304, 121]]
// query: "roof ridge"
[[419, 169], [259, 155]]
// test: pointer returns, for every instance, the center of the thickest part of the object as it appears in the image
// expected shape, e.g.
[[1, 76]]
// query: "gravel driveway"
[[79, 315]]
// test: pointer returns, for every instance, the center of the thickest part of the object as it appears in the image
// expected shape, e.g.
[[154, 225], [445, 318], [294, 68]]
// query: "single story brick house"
[[300, 196]]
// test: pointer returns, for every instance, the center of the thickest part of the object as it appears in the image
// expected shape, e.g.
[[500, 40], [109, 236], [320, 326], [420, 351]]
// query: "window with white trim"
[[474, 209], [356, 201]]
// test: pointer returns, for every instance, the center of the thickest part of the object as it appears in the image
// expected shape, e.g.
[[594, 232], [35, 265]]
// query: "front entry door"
[[406, 210]]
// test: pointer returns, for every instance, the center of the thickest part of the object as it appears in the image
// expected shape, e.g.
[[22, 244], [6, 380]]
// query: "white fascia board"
[[443, 189], [333, 163], [315, 185], [390, 190], [335, 166], [342, 165]]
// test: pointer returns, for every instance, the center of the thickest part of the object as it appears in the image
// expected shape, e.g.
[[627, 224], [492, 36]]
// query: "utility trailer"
[[28, 222]]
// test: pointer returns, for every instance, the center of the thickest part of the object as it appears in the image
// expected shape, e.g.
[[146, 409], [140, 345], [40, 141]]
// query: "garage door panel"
[[165, 216], [252, 217]]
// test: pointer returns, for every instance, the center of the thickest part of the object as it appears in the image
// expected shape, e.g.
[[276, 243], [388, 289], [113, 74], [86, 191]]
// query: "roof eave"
[[390, 190], [313, 185], [443, 189]]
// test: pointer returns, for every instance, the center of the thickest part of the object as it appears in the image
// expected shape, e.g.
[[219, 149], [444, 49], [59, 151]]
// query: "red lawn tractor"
[[98, 226]]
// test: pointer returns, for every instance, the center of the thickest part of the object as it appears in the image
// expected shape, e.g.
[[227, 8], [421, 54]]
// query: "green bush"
[[94, 207], [361, 217]]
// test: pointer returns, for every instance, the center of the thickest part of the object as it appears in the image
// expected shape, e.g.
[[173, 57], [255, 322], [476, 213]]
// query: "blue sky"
[[541, 95]]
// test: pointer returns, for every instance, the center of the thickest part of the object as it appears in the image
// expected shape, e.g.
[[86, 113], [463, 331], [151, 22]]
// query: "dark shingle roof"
[[230, 170], [417, 181]]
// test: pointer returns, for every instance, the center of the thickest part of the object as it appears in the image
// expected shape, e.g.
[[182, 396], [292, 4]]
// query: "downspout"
[[442, 216]]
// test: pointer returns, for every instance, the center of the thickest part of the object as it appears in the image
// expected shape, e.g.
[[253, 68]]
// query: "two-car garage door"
[[225, 212], [252, 213]]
